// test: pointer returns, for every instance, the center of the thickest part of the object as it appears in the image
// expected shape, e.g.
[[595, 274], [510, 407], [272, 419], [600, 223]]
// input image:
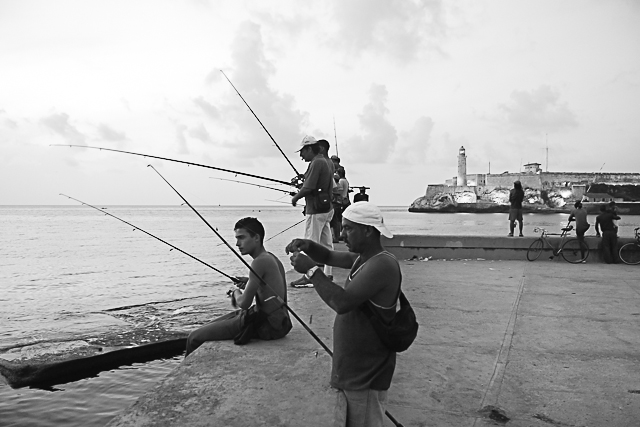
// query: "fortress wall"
[[462, 189], [559, 179], [622, 178], [506, 180], [433, 189]]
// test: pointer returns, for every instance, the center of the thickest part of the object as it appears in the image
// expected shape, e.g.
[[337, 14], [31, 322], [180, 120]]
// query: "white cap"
[[366, 213], [307, 140]]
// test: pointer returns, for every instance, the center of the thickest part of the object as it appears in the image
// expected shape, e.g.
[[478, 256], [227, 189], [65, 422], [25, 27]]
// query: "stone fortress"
[[544, 191]]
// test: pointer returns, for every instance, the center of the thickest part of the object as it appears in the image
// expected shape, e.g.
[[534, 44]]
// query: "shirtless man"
[[271, 319]]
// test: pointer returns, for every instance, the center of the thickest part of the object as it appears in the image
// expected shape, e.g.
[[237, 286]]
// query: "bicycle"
[[630, 252], [573, 251]]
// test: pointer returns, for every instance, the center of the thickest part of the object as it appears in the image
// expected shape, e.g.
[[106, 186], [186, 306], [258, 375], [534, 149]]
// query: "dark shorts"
[[515, 215]]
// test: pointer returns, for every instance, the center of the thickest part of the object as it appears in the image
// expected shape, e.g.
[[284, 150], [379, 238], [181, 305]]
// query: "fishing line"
[[177, 161], [290, 193], [284, 304], [155, 237], [265, 129]]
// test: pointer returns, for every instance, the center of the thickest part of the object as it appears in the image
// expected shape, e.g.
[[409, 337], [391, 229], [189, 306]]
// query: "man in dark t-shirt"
[[318, 183], [605, 221], [362, 366]]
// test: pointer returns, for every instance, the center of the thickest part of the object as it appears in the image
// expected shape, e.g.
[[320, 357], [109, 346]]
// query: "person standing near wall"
[[606, 222], [579, 215], [516, 196]]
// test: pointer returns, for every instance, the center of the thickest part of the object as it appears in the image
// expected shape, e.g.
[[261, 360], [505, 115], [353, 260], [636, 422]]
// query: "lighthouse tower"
[[462, 168]]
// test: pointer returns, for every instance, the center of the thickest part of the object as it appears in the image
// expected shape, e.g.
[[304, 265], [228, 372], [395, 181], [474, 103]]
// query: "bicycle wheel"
[[535, 250], [630, 253], [574, 251]]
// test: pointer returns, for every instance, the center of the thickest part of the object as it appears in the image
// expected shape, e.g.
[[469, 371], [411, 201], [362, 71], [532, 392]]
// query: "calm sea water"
[[62, 266]]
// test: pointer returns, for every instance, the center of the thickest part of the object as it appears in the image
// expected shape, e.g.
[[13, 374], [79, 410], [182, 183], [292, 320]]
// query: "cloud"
[[209, 110], [413, 144], [201, 133], [107, 133], [398, 28], [181, 130], [538, 111], [379, 136], [59, 123], [250, 73]]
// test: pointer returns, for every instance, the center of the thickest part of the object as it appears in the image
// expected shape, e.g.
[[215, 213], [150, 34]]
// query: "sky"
[[396, 87]]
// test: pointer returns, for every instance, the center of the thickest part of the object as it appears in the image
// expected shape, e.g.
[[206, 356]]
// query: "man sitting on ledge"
[[269, 319]]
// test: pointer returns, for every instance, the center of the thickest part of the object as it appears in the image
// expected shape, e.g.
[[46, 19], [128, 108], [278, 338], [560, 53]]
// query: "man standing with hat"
[[362, 367], [316, 190]]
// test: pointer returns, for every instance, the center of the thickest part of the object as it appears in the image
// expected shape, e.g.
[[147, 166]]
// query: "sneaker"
[[510, 235], [521, 235], [302, 282]]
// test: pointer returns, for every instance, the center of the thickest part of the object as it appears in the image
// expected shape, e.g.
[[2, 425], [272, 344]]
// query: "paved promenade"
[[543, 343]]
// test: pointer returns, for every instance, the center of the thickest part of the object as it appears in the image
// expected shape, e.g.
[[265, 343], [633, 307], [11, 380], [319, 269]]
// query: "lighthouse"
[[462, 168]]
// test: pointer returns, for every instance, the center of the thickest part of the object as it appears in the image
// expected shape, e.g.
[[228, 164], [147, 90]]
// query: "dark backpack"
[[401, 332]]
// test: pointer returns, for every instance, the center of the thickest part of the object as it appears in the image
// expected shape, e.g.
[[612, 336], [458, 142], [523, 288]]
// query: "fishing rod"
[[265, 129], [286, 229], [155, 237], [291, 193], [177, 161], [335, 135], [284, 304]]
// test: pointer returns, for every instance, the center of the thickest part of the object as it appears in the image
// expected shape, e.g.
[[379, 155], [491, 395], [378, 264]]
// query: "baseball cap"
[[307, 140], [366, 213]]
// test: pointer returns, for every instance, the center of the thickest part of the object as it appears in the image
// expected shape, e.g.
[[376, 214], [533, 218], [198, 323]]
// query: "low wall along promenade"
[[407, 246]]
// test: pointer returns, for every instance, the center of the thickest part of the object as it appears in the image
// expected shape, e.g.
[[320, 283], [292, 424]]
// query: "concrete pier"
[[544, 343]]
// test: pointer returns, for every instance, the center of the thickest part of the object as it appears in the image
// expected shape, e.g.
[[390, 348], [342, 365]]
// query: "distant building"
[[533, 168], [462, 168], [534, 178]]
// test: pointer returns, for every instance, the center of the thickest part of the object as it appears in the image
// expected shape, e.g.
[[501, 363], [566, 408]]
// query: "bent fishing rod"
[[263, 127], [178, 161], [284, 304], [234, 279], [264, 283]]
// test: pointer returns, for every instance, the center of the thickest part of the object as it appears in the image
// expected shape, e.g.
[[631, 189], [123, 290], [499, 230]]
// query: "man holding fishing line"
[[316, 190], [362, 366], [268, 319]]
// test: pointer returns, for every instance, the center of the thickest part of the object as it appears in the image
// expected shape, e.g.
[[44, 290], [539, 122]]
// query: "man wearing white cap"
[[316, 190], [362, 367]]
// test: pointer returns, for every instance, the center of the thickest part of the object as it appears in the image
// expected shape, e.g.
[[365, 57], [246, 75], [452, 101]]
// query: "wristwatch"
[[310, 272]]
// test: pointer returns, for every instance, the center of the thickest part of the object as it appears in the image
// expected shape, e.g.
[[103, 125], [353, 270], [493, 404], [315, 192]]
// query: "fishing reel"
[[297, 181]]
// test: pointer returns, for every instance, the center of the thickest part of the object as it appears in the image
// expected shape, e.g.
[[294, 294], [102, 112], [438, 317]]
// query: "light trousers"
[[317, 228]]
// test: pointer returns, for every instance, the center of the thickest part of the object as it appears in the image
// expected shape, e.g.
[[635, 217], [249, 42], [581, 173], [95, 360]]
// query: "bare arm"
[[378, 280], [320, 254], [303, 192], [245, 299]]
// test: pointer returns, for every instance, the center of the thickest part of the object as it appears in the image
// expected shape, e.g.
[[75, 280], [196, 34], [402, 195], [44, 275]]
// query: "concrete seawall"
[[545, 343], [407, 246]]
